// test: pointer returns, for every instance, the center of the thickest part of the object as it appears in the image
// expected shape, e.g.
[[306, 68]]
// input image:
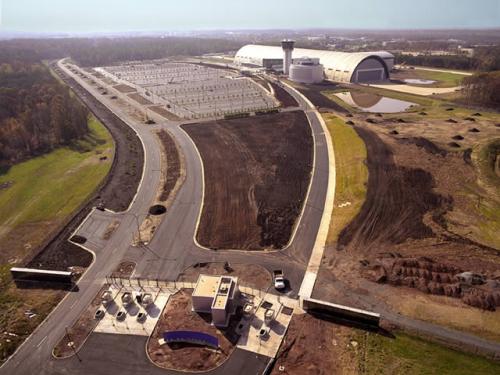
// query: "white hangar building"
[[337, 66]]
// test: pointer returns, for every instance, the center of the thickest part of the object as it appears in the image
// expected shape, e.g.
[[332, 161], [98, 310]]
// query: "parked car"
[[279, 279]]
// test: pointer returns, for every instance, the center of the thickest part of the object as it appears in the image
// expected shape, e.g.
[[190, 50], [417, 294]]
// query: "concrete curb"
[[313, 266]]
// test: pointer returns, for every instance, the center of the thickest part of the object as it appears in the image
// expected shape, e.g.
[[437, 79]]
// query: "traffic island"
[[189, 356], [76, 335], [251, 275]]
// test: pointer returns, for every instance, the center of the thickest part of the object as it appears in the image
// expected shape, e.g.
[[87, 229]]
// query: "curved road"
[[172, 249]]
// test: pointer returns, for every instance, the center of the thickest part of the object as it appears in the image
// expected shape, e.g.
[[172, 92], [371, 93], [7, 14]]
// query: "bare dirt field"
[[316, 347], [173, 171], [283, 96], [257, 171], [251, 275], [314, 94], [163, 112], [140, 99], [428, 216], [177, 315], [124, 88]]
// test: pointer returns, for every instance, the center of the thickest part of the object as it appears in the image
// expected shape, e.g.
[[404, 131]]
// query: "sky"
[[87, 16]]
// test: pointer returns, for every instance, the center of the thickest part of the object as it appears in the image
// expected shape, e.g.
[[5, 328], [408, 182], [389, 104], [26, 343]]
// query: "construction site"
[[247, 237]]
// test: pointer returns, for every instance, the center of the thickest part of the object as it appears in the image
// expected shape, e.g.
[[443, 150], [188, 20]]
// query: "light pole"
[[72, 344]]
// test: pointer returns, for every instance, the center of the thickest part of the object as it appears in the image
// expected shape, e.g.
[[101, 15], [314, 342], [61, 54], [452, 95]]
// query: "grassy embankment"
[[351, 174], [410, 355], [435, 107], [443, 79], [485, 156], [40, 194]]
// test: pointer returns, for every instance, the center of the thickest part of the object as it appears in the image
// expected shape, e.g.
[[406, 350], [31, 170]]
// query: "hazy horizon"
[[115, 16]]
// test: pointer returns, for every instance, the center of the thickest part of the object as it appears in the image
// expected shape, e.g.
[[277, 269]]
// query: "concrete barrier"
[[21, 275], [340, 312]]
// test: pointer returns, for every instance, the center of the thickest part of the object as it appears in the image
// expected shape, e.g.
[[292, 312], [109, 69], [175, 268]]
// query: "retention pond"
[[374, 103]]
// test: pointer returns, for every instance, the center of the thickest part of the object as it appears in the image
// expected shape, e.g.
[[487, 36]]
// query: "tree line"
[[484, 59], [482, 89], [104, 51], [37, 113]]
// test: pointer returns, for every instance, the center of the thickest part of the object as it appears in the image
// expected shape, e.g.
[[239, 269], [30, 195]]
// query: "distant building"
[[467, 51], [337, 66], [216, 295]]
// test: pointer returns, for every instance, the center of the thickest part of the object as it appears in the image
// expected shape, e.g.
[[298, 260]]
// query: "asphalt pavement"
[[173, 247]]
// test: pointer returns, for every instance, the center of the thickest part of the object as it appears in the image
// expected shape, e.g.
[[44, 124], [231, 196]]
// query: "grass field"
[[490, 180], [44, 190], [351, 174], [444, 79], [410, 355], [434, 107], [36, 197]]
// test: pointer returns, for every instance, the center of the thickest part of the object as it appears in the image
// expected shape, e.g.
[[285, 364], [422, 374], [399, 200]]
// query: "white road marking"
[[73, 304], [40, 343]]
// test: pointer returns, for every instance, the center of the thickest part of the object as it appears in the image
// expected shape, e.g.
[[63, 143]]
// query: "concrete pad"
[[424, 91], [276, 328], [130, 325], [98, 228]]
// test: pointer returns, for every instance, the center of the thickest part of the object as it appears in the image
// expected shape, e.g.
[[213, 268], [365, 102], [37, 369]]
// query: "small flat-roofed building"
[[216, 295]]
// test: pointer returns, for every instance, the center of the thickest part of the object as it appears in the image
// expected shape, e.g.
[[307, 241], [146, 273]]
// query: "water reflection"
[[374, 103], [417, 81]]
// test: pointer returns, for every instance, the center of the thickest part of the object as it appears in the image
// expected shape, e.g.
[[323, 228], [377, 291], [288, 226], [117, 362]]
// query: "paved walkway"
[[417, 90]]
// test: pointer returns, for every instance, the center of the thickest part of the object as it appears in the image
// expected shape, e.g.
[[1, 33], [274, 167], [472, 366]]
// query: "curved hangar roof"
[[338, 66]]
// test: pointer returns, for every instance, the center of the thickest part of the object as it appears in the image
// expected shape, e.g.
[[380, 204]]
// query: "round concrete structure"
[[306, 71]]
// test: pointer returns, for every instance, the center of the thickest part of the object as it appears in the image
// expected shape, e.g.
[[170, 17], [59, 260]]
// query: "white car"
[[279, 279]]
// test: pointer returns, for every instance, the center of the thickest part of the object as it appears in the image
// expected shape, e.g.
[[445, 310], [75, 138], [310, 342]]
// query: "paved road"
[[172, 249], [107, 354]]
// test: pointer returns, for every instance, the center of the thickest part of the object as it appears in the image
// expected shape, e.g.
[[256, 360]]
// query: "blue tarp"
[[191, 337]]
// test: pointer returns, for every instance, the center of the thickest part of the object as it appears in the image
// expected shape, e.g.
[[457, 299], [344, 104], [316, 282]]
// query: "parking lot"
[[192, 91]]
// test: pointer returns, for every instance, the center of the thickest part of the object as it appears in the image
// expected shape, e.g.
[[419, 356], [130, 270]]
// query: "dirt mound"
[[454, 145], [482, 299], [474, 130], [425, 144], [452, 121], [396, 202], [178, 315], [394, 132], [458, 137], [435, 278], [173, 171]]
